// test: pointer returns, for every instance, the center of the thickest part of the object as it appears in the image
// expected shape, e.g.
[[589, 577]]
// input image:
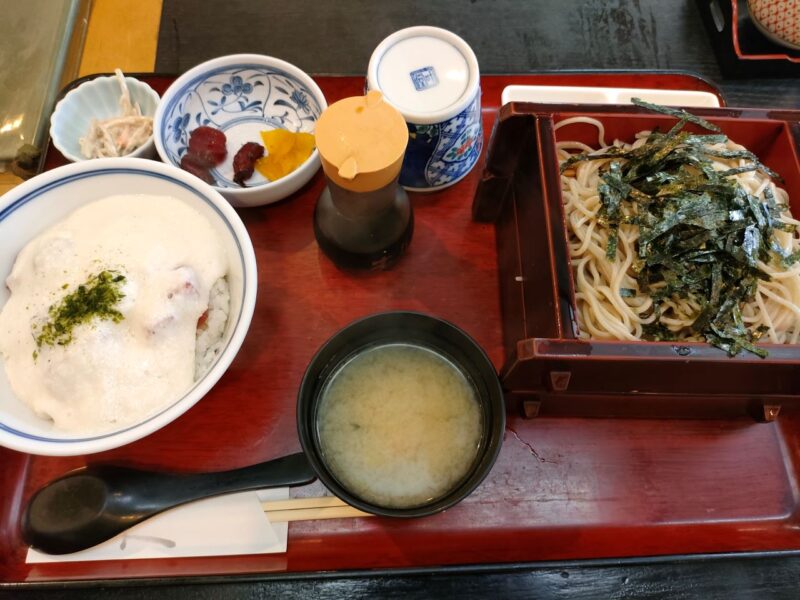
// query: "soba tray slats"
[[562, 487]]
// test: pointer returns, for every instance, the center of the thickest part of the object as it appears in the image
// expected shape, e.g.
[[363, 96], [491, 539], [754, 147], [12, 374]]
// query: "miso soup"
[[399, 425]]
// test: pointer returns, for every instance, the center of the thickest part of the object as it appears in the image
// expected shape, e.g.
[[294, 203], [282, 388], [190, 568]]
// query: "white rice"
[[211, 334]]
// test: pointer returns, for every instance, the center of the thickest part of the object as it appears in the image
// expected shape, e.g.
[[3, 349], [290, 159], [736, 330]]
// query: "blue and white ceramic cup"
[[431, 76]]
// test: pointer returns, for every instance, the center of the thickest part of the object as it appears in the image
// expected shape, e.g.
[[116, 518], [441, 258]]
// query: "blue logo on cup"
[[424, 78], [442, 153]]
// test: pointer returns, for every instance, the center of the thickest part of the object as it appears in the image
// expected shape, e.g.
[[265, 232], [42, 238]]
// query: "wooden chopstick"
[[308, 509], [295, 503], [314, 514]]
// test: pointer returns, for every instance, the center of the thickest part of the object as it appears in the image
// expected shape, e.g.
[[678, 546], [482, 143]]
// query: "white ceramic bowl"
[[46, 199], [97, 98], [242, 95]]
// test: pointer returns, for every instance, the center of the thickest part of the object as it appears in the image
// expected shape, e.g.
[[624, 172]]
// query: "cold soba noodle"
[[627, 292], [399, 425]]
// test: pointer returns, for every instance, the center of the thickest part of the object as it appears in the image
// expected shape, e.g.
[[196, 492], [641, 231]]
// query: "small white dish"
[[97, 98], [568, 94], [42, 201], [241, 95]]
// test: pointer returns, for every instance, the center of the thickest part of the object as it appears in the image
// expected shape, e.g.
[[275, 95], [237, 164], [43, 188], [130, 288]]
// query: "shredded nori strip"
[[97, 298], [701, 235], [681, 114]]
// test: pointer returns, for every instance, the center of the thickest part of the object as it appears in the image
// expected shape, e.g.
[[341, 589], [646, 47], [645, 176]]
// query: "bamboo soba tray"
[[548, 368], [562, 488]]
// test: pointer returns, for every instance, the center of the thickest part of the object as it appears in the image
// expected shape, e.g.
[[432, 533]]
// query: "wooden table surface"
[[591, 34]]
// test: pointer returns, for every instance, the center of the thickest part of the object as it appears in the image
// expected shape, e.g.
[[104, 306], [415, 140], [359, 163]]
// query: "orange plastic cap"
[[361, 142]]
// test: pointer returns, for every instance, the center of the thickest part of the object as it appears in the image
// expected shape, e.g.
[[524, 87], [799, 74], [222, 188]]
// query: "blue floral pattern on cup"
[[233, 95], [440, 154]]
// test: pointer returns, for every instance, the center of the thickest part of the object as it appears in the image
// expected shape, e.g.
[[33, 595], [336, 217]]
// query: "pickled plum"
[[196, 167], [207, 147], [245, 160], [208, 144]]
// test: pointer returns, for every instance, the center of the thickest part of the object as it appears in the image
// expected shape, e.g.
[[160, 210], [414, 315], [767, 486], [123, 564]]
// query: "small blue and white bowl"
[[431, 76], [97, 98], [241, 95]]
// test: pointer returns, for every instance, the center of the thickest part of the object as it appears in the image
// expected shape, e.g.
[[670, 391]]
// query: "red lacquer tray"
[[562, 488]]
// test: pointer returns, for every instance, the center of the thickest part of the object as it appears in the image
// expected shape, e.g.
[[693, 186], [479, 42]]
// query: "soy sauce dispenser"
[[363, 218]]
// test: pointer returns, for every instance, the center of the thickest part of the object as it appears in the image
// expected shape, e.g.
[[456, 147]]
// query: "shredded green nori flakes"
[[95, 299], [679, 113], [701, 235]]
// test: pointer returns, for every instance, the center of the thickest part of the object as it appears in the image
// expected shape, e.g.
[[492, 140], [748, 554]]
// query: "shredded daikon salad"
[[121, 135]]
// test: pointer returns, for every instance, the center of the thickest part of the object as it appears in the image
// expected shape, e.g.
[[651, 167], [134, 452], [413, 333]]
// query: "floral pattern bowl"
[[241, 95]]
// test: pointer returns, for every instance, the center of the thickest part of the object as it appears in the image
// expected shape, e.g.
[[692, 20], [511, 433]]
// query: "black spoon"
[[93, 504]]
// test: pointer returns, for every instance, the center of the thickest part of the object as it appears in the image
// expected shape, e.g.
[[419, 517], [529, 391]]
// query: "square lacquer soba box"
[[550, 367]]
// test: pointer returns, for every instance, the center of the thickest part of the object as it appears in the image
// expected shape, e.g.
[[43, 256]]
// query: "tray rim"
[[486, 568]]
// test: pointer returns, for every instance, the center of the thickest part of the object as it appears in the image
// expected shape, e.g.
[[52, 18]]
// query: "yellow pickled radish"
[[286, 151]]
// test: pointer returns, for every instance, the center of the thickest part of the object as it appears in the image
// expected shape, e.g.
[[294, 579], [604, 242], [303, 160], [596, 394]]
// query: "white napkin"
[[227, 525]]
